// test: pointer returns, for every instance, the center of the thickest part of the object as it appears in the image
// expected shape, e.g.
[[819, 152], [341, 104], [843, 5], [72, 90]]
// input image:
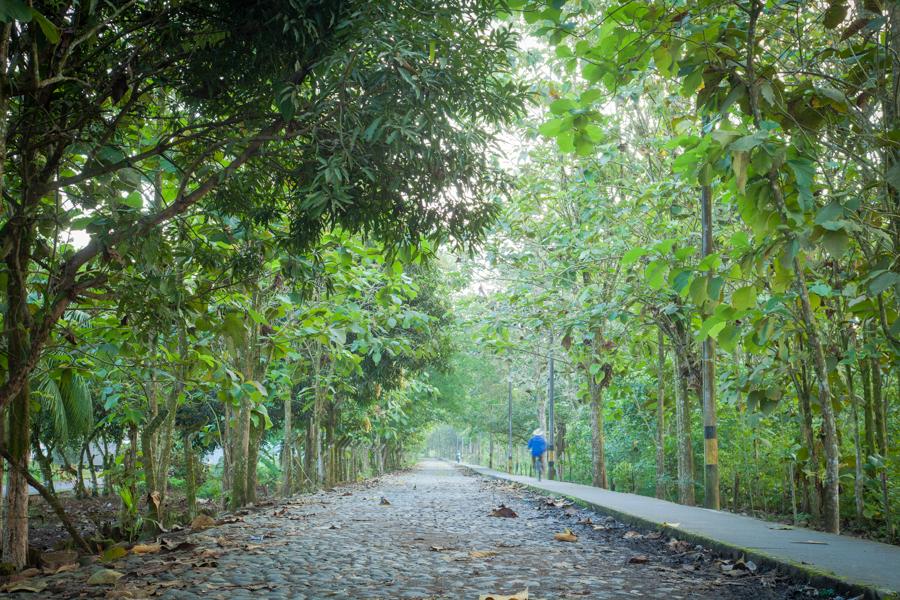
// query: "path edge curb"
[[801, 572]]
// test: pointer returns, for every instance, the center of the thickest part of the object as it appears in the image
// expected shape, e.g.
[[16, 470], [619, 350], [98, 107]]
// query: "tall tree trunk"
[[15, 541], [811, 491], [241, 455], [287, 445], [256, 434], [598, 468], [865, 372], [660, 415], [227, 435], [95, 485], [683, 427], [190, 475], [46, 465], [128, 510], [859, 481]]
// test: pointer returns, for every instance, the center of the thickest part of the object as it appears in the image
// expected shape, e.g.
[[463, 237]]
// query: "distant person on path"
[[538, 445]]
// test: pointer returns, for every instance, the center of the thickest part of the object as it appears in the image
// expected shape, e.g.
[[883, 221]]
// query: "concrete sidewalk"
[[849, 562]]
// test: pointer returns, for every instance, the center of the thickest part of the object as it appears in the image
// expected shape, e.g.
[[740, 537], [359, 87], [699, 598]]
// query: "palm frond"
[[78, 402], [52, 405]]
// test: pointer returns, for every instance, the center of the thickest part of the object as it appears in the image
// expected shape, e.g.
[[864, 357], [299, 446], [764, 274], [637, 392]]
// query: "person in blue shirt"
[[538, 445]]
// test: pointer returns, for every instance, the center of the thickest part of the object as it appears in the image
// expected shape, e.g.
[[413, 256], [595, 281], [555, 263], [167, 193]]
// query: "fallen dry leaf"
[[146, 548], [113, 553], [483, 553], [632, 535], [565, 536], [384, 501], [64, 568], [639, 559], [54, 560], [504, 511], [202, 522], [25, 586], [26, 573], [104, 577], [523, 595], [176, 546]]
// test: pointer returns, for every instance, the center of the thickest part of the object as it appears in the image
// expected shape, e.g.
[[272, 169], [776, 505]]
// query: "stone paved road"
[[346, 544]]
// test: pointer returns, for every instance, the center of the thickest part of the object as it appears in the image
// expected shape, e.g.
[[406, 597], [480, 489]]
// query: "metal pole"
[[509, 419], [551, 459]]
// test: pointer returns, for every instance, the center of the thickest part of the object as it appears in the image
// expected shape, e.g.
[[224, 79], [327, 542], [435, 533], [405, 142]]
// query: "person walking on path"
[[538, 445]]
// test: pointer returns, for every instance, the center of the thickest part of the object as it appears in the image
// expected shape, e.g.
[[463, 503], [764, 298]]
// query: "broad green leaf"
[[836, 242], [698, 291], [747, 143], [655, 274], [15, 10], [804, 172], [630, 257], [554, 127], [134, 200], [883, 281], [739, 167], [47, 28], [562, 106], [744, 298]]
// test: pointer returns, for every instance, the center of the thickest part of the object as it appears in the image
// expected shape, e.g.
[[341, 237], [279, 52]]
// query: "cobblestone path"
[[435, 539]]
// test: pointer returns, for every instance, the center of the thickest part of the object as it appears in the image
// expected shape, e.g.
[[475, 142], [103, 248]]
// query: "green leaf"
[[804, 173], [728, 338], [835, 14], [630, 257], [714, 289], [698, 291], [711, 327], [47, 28], [593, 73], [134, 200], [15, 10], [893, 176], [744, 298], [554, 127], [566, 141], [748, 142], [739, 162], [830, 212], [655, 274], [590, 96], [836, 242], [662, 58], [883, 281], [562, 106]]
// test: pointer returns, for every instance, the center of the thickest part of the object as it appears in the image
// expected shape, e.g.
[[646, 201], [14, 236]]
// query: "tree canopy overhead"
[[313, 238]]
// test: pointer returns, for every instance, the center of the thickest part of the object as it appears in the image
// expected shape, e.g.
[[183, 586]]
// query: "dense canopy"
[[266, 247]]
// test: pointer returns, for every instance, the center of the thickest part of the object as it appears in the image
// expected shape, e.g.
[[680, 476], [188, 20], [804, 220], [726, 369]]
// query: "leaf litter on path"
[[523, 595], [566, 536], [504, 511]]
